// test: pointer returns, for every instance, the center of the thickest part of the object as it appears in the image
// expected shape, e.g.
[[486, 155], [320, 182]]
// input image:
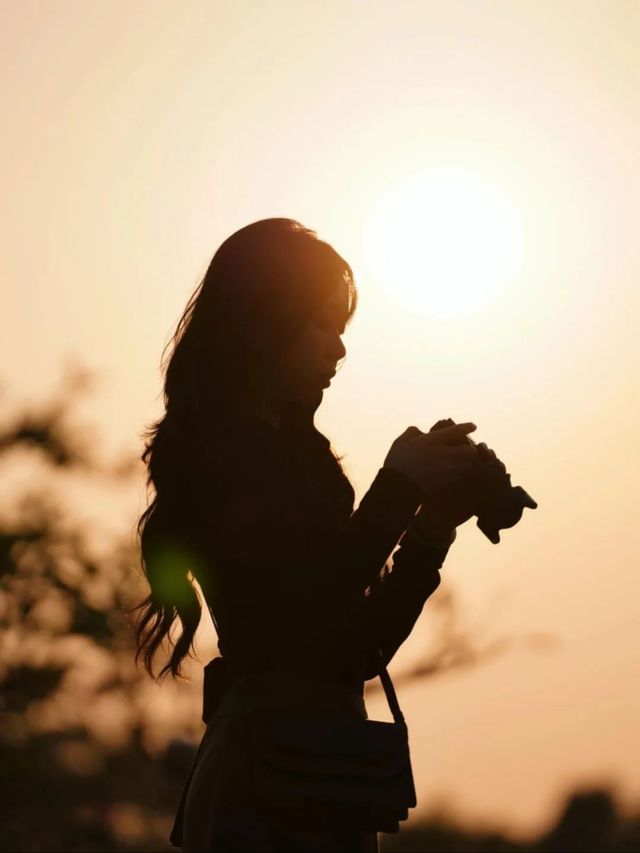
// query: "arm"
[[396, 599], [261, 523]]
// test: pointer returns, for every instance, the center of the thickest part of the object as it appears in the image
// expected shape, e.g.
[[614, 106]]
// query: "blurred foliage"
[[76, 774], [80, 771]]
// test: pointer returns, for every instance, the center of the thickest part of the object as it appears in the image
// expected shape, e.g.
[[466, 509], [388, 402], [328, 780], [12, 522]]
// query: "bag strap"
[[389, 690]]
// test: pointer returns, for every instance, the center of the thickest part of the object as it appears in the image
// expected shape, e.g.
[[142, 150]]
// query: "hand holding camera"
[[459, 478], [433, 460]]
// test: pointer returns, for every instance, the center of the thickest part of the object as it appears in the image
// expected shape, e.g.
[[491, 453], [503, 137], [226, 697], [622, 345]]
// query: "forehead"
[[338, 302]]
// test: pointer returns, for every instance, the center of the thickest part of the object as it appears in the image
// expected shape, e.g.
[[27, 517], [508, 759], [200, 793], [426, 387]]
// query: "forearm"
[[433, 526], [354, 556], [397, 598]]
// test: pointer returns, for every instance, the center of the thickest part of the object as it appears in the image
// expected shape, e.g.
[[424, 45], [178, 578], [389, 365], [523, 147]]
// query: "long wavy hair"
[[263, 282]]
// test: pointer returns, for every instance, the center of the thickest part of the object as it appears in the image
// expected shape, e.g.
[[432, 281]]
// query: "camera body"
[[496, 503]]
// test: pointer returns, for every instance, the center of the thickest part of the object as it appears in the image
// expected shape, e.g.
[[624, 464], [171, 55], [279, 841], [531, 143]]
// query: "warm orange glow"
[[136, 137]]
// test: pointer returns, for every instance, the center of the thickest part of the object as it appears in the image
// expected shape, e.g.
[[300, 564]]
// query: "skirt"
[[217, 810]]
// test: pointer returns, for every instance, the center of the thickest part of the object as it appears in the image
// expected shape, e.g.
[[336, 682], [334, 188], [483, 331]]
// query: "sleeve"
[[395, 600], [356, 555]]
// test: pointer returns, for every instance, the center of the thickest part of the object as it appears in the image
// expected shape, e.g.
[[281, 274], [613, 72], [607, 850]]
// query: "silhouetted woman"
[[251, 501]]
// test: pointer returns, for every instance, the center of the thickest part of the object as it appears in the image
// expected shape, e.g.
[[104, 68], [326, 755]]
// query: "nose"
[[334, 350], [340, 350], [333, 361]]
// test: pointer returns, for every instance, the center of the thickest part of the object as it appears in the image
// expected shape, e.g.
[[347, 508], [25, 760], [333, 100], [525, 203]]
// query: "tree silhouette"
[[74, 707]]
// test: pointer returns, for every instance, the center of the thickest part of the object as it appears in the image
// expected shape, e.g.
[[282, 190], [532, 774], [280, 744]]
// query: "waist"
[[288, 691]]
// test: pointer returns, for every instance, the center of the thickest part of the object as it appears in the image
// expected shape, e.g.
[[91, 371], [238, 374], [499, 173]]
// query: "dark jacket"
[[294, 582]]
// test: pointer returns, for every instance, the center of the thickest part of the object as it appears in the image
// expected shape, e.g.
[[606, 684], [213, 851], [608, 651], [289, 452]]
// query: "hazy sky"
[[138, 135]]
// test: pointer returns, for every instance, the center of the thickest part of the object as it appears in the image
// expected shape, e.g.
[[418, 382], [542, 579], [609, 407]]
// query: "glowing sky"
[[138, 135]]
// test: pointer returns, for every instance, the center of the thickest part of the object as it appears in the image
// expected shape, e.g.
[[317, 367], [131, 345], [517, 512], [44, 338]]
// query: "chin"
[[309, 398], [312, 397]]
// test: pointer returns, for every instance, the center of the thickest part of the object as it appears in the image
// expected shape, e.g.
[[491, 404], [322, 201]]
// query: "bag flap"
[[332, 745]]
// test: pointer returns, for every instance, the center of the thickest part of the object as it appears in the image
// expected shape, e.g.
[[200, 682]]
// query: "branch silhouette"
[[457, 647]]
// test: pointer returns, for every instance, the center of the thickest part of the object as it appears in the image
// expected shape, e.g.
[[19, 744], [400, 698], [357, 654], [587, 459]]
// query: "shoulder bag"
[[341, 771]]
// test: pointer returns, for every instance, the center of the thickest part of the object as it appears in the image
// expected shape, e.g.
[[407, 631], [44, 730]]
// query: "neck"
[[266, 410]]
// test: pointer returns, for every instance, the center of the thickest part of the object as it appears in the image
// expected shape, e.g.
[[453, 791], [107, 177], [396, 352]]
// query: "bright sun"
[[444, 242]]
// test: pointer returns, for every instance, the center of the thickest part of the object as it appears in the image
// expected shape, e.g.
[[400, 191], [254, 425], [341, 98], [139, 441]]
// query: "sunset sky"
[[478, 165]]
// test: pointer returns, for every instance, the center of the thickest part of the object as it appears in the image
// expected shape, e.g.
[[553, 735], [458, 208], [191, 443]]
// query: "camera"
[[496, 503]]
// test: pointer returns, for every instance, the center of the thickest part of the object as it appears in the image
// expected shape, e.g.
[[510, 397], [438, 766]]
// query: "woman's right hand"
[[434, 460]]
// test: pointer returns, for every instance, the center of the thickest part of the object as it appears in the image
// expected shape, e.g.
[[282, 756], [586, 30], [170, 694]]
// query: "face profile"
[[308, 362]]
